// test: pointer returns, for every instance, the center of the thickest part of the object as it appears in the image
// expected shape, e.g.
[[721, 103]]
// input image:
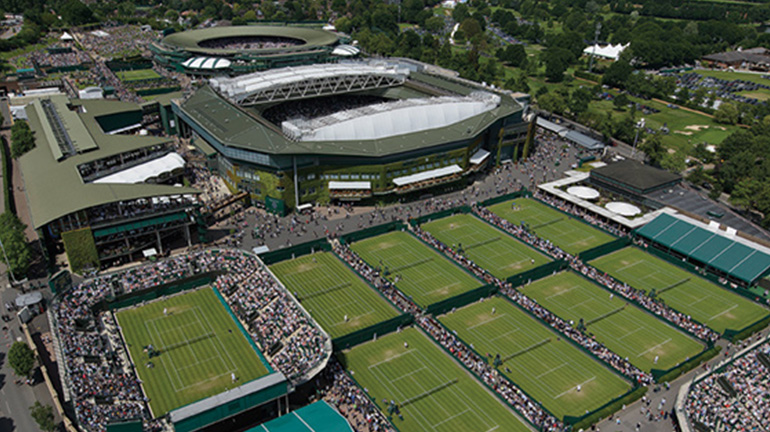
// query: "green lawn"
[[492, 249], [423, 273], [569, 234], [330, 291], [706, 302], [137, 75], [540, 361], [630, 332], [200, 346], [433, 392]]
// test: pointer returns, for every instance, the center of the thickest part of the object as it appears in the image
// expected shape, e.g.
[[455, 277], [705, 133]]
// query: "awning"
[[352, 185], [142, 172], [260, 250], [125, 129], [480, 156], [427, 175], [306, 206], [29, 299], [149, 252]]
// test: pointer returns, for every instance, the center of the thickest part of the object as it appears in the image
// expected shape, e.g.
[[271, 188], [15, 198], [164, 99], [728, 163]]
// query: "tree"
[[22, 139], [21, 358], [727, 113], [617, 74], [653, 148], [512, 54], [15, 243], [74, 12], [579, 100], [434, 24], [43, 415], [552, 102], [556, 62], [620, 102]]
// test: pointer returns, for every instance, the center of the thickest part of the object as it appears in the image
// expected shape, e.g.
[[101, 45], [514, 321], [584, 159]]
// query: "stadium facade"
[[98, 189], [244, 49], [350, 130]]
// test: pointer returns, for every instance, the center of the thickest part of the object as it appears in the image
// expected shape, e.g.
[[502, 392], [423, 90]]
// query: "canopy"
[[209, 63], [584, 192], [427, 175], [480, 156], [623, 208], [147, 170], [66, 37], [350, 185]]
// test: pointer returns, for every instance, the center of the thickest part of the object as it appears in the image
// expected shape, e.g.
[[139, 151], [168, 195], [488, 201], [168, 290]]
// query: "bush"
[[22, 139], [21, 358], [81, 249], [689, 365]]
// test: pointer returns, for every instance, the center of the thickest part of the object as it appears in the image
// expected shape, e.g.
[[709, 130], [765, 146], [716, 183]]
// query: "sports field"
[[423, 273], [336, 297], [137, 75], [541, 362], [706, 302], [432, 391], [623, 328], [492, 249], [199, 346], [569, 234]]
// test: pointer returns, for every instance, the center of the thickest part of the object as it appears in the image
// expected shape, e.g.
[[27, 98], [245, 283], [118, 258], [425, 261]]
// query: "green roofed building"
[[103, 193], [316, 417], [351, 131], [721, 250], [243, 49]]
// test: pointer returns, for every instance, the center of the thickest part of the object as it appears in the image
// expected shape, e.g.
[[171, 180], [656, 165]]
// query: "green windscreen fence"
[[372, 232], [128, 426], [140, 224], [536, 273], [439, 215], [366, 334], [296, 251], [523, 192], [461, 300], [604, 249]]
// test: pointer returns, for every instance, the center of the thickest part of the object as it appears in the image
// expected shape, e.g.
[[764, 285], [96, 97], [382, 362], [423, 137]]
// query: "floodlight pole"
[[636, 138], [8, 262]]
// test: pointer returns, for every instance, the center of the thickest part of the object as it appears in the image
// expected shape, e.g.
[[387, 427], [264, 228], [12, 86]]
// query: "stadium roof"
[[316, 417], [190, 40], [635, 176], [144, 171], [306, 81], [206, 63], [722, 250], [238, 128], [55, 189], [391, 118]]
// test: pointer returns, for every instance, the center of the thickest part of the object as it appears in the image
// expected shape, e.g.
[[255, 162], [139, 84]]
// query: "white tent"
[[66, 37], [611, 52]]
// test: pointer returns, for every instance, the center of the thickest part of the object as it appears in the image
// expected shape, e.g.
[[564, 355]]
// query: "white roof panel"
[[427, 175], [480, 156], [142, 172], [350, 185]]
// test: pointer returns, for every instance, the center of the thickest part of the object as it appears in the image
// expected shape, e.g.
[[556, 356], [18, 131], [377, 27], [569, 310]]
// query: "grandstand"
[[242, 49], [110, 193], [349, 131]]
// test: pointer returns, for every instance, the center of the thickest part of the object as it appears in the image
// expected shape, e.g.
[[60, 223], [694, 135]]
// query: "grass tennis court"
[[423, 273], [625, 329], [137, 75], [330, 291], [569, 234], [706, 302], [542, 363], [433, 392], [200, 347], [492, 249]]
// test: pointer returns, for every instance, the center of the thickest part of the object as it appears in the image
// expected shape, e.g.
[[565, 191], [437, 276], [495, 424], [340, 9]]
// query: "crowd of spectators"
[[736, 398], [104, 388], [118, 42], [351, 401], [57, 56], [610, 226]]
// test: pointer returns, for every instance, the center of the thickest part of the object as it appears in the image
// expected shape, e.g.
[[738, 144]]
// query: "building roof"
[[708, 244], [635, 175], [238, 128], [206, 63], [607, 51], [55, 189], [142, 172], [190, 40], [427, 175], [316, 417]]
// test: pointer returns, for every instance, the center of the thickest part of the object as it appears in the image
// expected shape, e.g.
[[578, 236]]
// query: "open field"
[[423, 273], [759, 94], [569, 234], [199, 346], [492, 249], [706, 302], [137, 75], [336, 297], [543, 364], [432, 391], [623, 328]]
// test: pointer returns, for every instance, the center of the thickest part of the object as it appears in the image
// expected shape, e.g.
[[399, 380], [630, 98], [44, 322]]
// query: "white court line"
[[450, 418], [630, 333], [628, 266], [505, 334], [573, 388], [485, 321], [390, 358], [656, 346], [554, 369], [723, 312], [409, 374], [562, 292], [581, 303]]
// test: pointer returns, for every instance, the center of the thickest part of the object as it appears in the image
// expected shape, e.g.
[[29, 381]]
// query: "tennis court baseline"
[[332, 293], [432, 391], [421, 272], [200, 347], [625, 329], [565, 232], [564, 379], [688, 293], [492, 249]]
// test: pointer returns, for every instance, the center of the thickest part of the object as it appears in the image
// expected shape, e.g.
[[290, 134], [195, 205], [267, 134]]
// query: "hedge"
[[736, 336], [81, 249], [10, 205], [689, 365]]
